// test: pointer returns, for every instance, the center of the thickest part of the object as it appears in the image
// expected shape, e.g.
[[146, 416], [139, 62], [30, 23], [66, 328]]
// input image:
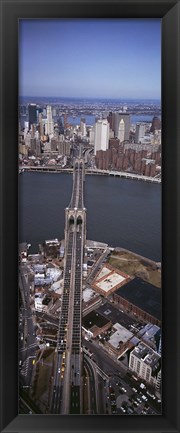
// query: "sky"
[[98, 58]]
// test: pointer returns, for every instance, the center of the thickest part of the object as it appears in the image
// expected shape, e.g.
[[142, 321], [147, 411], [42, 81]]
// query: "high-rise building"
[[50, 123], [121, 131], [140, 132], [60, 125], [115, 121], [64, 147], [83, 127], [101, 136], [91, 135], [27, 140], [156, 124], [22, 110], [54, 112], [145, 362], [35, 147], [41, 125], [32, 114], [158, 383]]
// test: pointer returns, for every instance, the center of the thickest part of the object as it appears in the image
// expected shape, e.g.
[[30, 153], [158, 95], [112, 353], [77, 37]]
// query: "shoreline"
[[123, 175], [101, 245]]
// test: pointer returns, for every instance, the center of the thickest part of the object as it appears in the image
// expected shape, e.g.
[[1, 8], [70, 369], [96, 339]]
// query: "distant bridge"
[[123, 174]]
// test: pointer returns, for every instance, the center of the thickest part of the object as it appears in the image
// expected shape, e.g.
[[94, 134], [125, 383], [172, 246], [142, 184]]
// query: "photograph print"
[[89, 149]]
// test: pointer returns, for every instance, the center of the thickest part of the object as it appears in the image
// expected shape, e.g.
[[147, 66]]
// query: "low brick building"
[[120, 340], [109, 279], [94, 324], [141, 298]]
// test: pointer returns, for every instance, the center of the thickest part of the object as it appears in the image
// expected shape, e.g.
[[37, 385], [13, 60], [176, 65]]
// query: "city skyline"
[[90, 60]]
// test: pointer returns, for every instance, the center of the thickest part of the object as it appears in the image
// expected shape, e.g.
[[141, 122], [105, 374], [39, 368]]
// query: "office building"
[[50, 123], [64, 147], [83, 127], [41, 125], [54, 112], [101, 136], [32, 114], [121, 131], [158, 383], [140, 132], [146, 363], [116, 119], [91, 135], [156, 124]]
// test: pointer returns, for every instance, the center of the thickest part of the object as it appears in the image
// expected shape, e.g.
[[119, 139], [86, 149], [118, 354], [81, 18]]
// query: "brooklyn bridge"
[[67, 388]]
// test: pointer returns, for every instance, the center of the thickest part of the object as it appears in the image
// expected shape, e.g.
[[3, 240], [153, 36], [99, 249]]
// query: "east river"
[[120, 212]]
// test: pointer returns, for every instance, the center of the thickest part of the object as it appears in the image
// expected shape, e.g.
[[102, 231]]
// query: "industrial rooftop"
[[108, 280], [120, 335], [142, 294]]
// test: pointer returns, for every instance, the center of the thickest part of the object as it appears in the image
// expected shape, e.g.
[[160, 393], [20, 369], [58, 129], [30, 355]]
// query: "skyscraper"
[[156, 124], [50, 123], [32, 114], [115, 121], [41, 125], [140, 132], [101, 136], [83, 127], [121, 131]]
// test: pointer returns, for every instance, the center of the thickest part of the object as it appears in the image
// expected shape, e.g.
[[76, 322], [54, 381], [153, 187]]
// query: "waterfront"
[[90, 119], [120, 212]]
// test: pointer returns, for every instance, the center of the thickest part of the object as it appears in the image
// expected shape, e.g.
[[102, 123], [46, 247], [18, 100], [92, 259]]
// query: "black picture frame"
[[169, 11]]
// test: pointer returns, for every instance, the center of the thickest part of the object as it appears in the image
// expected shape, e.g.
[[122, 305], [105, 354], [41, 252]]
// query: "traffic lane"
[[27, 308], [101, 384], [108, 365], [92, 386], [101, 395]]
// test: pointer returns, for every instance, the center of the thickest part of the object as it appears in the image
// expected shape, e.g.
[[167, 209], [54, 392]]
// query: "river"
[[120, 212]]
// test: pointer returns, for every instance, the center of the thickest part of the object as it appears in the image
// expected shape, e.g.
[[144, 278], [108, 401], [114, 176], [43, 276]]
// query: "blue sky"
[[110, 58]]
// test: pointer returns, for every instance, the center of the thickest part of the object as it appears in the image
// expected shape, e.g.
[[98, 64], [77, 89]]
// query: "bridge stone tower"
[[75, 214]]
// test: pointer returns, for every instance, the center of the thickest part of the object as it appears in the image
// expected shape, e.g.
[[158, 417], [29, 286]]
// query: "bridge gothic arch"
[[71, 220], [79, 220]]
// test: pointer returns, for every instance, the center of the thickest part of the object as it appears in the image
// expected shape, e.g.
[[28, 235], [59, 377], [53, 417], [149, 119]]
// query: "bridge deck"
[[68, 370]]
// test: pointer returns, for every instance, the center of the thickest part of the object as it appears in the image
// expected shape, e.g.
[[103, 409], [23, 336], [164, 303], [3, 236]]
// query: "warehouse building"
[[108, 280], [140, 298]]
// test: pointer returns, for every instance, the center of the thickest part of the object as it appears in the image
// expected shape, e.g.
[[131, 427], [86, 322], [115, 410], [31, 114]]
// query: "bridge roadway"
[[67, 389]]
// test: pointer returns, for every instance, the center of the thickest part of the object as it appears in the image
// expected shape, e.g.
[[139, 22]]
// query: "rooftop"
[[121, 335], [142, 294], [109, 282], [149, 331], [94, 319], [146, 354], [109, 279], [88, 294]]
